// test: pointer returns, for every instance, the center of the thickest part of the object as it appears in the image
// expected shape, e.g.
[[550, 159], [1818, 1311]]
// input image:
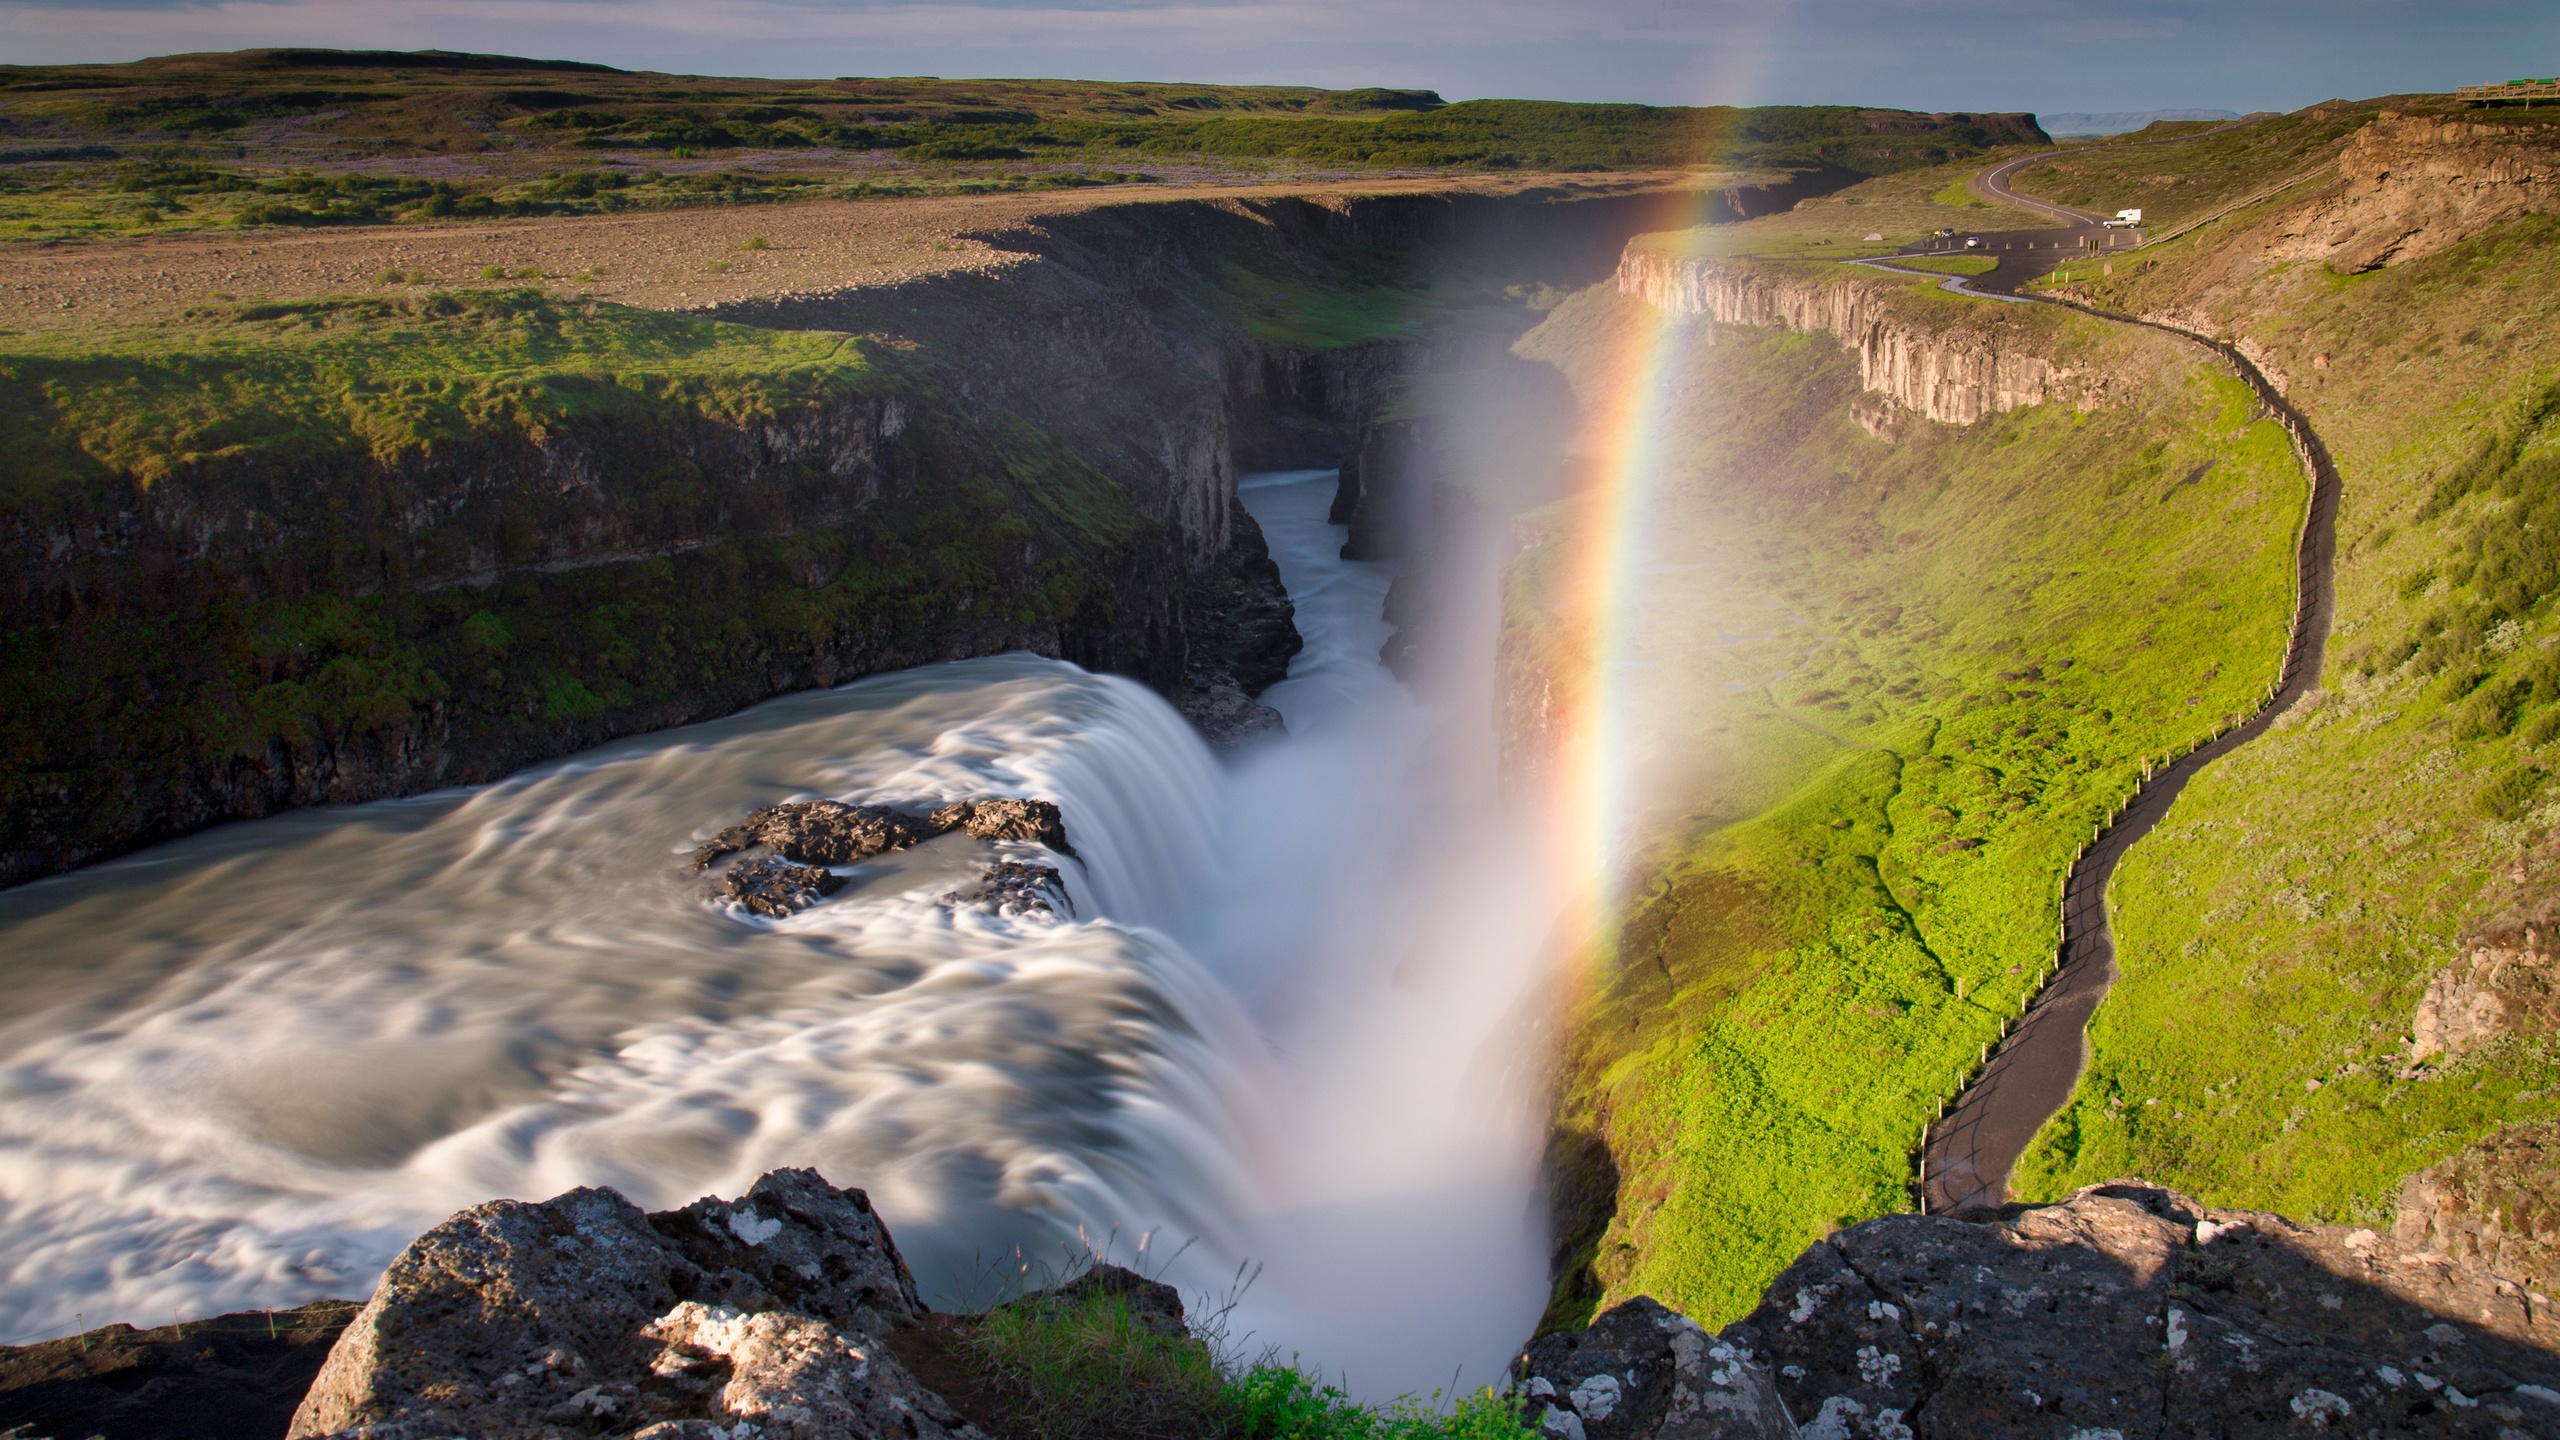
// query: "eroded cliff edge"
[[2126, 1310], [330, 551]]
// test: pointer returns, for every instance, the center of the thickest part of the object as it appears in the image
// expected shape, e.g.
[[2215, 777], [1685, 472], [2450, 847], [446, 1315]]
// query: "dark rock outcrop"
[[233, 1377], [1011, 887], [1153, 1303], [2128, 1310], [1641, 1371], [1037, 821], [808, 835], [1244, 632], [581, 1315], [820, 832], [774, 887]]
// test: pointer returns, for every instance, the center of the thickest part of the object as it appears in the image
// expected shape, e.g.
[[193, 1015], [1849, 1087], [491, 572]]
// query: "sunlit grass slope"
[[2280, 927], [381, 377], [1893, 685]]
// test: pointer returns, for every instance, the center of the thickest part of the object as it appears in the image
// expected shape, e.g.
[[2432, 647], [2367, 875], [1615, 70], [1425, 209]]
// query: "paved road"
[[2025, 255], [1971, 1152]]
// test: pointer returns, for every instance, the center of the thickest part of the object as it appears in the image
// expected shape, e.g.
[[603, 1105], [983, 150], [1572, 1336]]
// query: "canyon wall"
[[1043, 459], [1954, 369], [2413, 185], [239, 635]]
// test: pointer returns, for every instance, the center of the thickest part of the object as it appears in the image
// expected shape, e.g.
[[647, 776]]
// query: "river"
[[1288, 1025]]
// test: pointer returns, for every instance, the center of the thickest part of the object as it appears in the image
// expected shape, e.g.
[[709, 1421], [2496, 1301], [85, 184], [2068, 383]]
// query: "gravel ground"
[[662, 260]]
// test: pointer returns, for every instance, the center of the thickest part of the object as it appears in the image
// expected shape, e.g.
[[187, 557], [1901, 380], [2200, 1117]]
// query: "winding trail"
[[1967, 1157]]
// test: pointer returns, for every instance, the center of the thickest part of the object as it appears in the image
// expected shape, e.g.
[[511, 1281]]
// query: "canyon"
[[1921, 587]]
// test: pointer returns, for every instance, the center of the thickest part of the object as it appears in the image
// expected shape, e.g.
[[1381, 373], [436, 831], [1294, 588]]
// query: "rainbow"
[[1593, 742]]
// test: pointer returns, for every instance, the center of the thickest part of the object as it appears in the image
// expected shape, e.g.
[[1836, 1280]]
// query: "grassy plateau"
[[322, 137]]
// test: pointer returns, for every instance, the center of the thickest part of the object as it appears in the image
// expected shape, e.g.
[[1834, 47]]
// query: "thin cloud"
[[1924, 54]]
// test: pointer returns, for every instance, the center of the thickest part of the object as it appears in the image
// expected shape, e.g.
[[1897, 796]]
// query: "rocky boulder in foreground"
[[2128, 1311], [583, 1316]]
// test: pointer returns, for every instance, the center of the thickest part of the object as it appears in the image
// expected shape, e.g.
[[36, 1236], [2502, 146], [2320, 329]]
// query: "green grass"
[[1290, 310], [1892, 687], [1084, 1365], [1279, 1402], [1949, 264], [1534, 135], [382, 378]]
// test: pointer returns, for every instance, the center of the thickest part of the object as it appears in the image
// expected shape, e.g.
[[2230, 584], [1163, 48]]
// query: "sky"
[[2041, 55]]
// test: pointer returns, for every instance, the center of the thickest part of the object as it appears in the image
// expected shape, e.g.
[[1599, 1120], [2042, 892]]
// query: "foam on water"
[[243, 1069]]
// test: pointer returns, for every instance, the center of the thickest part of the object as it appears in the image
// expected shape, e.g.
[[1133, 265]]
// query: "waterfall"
[[243, 1069]]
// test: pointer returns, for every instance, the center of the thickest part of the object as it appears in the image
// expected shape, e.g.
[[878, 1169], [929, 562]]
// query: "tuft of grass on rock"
[[1083, 1363], [1089, 1359]]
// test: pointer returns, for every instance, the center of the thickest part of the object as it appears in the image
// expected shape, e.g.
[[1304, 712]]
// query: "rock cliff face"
[[2126, 1311], [2495, 1204], [1041, 460], [2414, 185], [2508, 981], [227, 640], [1954, 373]]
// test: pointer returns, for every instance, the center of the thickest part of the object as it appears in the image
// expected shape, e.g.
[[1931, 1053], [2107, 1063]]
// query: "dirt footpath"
[[662, 260]]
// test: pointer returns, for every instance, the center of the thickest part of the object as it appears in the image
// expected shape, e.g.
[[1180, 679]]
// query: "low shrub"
[[1091, 1360]]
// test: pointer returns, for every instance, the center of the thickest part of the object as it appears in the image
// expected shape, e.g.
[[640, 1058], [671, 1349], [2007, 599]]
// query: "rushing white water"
[[243, 1069]]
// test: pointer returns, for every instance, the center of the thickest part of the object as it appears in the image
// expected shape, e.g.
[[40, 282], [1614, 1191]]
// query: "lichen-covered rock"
[[789, 1375], [2508, 981], [774, 887], [1642, 1372], [795, 1242], [2494, 1204], [2127, 1311], [1013, 888], [582, 1316], [1853, 1356]]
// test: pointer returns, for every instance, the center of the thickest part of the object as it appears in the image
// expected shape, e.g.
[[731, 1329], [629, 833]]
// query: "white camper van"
[[2125, 220]]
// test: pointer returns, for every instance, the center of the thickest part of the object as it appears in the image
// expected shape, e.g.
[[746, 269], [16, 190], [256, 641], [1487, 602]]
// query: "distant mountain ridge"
[[2117, 122]]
